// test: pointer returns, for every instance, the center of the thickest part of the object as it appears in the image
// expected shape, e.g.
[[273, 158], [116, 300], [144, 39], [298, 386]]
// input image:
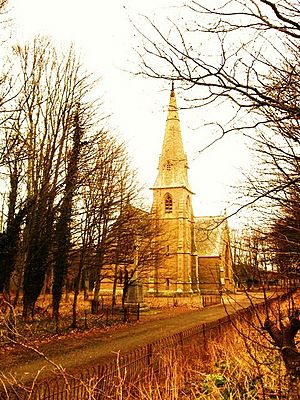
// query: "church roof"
[[172, 168], [209, 235]]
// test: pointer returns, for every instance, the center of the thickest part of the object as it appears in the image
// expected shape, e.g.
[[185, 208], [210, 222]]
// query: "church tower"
[[172, 206]]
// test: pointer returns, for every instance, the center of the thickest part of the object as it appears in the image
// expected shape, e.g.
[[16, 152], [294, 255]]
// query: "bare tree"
[[243, 34], [252, 61], [135, 248], [106, 180], [251, 258], [49, 88]]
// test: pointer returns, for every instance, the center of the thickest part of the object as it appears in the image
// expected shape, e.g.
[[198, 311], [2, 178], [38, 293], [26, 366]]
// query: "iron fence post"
[[149, 354]]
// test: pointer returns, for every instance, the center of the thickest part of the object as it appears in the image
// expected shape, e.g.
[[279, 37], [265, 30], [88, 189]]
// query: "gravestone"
[[135, 294]]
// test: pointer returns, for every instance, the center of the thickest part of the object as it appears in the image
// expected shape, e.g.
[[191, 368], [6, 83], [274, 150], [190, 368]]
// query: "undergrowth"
[[227, 368]]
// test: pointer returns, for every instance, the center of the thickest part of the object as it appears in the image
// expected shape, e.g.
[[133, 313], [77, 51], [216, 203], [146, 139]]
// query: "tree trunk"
[[85, 285], [291, 358], [63, 225], [39, 233], [76, 293], [74, 306], [284, 339], [99, 264], [95, 301], [114, 290], [125, 288]]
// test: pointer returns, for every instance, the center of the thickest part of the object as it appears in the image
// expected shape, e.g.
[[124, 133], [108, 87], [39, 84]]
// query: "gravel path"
[[98, 347]]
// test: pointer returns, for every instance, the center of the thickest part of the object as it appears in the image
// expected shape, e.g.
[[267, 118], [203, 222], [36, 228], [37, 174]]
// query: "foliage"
[[63, 226]]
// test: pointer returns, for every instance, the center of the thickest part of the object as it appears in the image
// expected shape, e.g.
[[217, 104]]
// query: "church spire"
[[172, 145], [172, 168]]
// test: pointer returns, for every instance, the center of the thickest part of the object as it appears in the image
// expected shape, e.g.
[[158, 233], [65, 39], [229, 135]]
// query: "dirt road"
[[97, 347]]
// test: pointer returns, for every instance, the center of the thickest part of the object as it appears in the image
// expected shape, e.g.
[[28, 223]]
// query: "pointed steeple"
[[172, 168], [172, 145]]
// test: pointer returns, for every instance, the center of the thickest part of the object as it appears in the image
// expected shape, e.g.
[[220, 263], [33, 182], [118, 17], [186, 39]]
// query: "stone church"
[[198, 255]]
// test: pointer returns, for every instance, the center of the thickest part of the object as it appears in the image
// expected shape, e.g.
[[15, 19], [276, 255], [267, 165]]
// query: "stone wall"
[[209, 275], [193, 300]]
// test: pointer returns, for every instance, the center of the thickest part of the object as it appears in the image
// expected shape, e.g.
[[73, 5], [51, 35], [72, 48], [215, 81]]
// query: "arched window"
[[168, 204]]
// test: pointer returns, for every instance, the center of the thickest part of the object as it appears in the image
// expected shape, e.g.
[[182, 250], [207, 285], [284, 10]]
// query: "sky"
[[104, 36]]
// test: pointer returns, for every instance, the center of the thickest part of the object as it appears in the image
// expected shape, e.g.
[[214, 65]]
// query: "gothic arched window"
[[168, 204]]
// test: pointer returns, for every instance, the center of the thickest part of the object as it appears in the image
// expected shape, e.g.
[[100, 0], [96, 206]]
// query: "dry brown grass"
[[228, 368]]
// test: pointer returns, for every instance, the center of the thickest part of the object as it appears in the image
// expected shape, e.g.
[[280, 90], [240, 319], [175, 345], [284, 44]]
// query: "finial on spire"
[[172, 88]]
